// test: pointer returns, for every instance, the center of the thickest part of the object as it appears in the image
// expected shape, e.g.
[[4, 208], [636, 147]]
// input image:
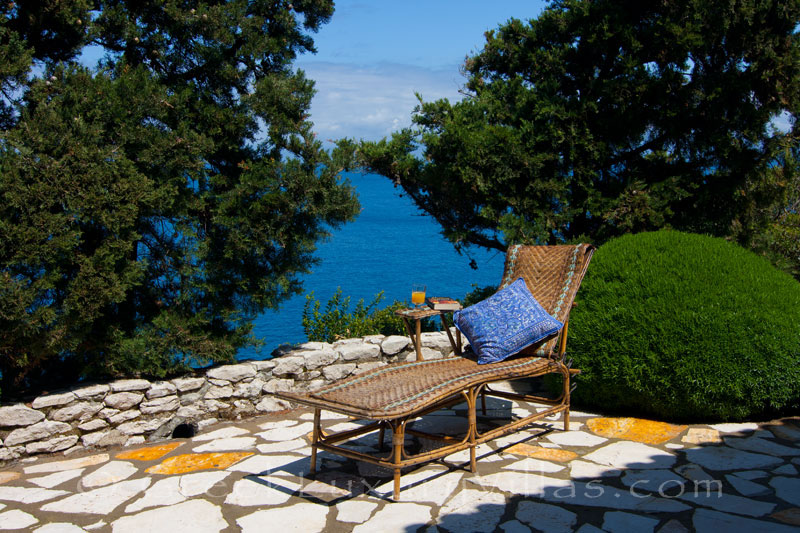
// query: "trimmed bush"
[[686, 327]]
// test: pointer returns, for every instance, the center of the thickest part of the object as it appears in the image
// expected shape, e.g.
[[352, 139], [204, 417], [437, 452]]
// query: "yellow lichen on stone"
[[149, 454], [8, 476], [190, 462], [635, 429], [546, 454], [702, 436], [788, 516]]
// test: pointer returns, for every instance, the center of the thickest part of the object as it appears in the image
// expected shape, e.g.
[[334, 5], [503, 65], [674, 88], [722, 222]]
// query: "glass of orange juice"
[[417, 294]]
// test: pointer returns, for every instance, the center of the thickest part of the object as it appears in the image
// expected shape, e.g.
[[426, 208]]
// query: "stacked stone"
[[130, 411]]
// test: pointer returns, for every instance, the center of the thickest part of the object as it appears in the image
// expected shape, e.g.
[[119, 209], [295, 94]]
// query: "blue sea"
[[387, 248]]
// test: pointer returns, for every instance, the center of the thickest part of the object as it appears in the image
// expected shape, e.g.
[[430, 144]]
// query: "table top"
[[422, 312]]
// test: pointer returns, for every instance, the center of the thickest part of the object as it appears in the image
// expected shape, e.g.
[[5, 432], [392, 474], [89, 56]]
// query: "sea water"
[[389, 247]]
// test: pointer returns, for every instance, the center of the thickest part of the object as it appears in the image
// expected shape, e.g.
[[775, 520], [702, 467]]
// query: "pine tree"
[[151, 206], [603, 117]]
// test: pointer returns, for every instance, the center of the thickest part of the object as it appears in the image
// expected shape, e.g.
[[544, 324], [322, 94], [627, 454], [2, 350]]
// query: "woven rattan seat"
[[396, 390], [396, 394]]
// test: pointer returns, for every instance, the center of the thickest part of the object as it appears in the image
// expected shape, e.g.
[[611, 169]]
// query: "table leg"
[[455, 345], [418, 344], [415, 338]]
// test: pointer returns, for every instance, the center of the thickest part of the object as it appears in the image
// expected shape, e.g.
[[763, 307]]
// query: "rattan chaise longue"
[[393, 396]]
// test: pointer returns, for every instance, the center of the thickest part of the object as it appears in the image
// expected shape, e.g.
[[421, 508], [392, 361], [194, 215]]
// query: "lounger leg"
[[398, 441], [314, 440], [472, 398], [381, 435], [566, 399]]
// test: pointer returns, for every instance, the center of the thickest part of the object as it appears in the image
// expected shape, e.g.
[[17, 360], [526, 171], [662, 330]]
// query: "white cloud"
[[371, 102]]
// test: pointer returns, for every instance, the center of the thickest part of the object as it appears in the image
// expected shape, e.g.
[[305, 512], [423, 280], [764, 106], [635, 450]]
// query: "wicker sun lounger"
[[393, 396]]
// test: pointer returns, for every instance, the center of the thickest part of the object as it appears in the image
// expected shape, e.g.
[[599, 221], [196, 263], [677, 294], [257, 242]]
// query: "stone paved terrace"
[[607, 474]]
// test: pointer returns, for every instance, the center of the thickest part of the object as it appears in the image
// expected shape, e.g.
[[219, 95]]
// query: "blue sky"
[[375, 54]]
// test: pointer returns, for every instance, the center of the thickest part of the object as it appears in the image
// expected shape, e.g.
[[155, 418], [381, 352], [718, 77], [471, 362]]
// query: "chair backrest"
[[553, 274]]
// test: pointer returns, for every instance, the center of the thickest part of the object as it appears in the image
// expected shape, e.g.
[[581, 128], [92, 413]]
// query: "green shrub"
[[339, 322], [686, 327]]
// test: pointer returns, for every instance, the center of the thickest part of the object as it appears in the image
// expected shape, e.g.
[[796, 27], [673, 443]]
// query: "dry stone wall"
[[132, 411]]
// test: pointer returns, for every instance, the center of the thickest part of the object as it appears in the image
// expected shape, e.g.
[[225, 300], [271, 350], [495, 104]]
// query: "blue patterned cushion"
[[505, 323]]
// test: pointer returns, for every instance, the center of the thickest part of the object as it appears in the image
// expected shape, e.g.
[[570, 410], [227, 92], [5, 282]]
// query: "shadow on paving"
[[745, 481]]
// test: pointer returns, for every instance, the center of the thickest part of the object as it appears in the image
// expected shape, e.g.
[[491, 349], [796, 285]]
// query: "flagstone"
[[254, 491], [576, 438], [423, 475], [224, 433], [519, 485], [5, 477], [621, 522], [16, 519], [56, 479], [437, 488], [726, 458], [708, 521], [535, 465], [191, 462], [746, 427], [751, 474], [300, 517], [150, 453], [589, 528], [694, 473], [354, 511], [786, 431], [674, 446], [747, 488], [109, 473], [172, 490], [702, 436], [786, 488], [96, 525], [197, 516], [595, 494], [280, 447], [287, 433], [514, 526], [29, 495], [673, 526], [397, 518], [233, 443], [626, 454], [59, 527], [472, 510], [483, 452], [664, 482], [545, 517], [285, 423], [587, 470], [635, 429], [99, 501], [728, 503], [759, 445], [265, 464], [537, 452], [69, 464], [788, 470], [788, 516]]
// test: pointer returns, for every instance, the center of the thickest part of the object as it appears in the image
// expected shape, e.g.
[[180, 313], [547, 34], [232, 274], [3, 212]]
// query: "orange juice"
[[417, 297]]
